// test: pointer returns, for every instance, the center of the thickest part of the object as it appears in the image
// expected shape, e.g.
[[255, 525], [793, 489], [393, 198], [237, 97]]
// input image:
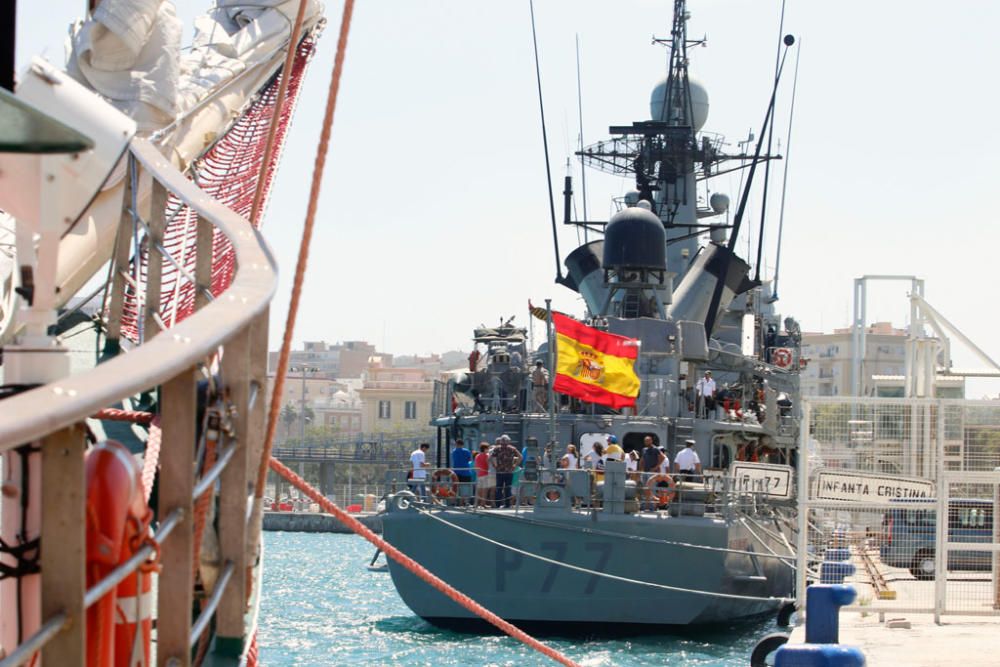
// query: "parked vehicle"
[[908, 537]]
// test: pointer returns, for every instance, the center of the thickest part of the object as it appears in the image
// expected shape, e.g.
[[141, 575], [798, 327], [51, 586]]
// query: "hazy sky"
[[434, 212]]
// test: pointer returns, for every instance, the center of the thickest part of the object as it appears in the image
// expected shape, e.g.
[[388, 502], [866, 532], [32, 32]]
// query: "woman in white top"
[[665, 466], [569, 460]]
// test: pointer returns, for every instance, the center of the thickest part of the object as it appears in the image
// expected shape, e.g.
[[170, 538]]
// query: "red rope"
[[303, 259], [116, 415], [152, 457], [414, 567]]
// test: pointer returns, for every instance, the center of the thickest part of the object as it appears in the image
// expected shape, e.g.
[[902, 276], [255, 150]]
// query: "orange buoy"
[[444, 483], [662, 494], [117, 525]]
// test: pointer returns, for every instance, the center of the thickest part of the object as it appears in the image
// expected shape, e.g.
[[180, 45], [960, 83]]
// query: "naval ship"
[[583, 548]]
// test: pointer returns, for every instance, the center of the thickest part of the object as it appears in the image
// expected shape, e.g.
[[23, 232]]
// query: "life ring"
[[782, 357], [444, 483], [117, 526], [664, 496]]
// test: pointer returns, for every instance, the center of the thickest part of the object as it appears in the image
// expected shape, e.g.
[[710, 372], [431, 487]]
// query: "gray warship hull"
[[639, 570]]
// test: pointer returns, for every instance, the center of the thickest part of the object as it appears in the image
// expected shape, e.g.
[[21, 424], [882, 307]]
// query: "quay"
[[316, 522], [915, 640]]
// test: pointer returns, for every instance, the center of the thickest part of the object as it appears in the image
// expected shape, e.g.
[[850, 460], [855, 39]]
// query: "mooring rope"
[[677, 589], [415, 567]]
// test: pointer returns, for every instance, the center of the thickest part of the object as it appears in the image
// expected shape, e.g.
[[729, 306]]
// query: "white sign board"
[[771, 479], [868, 487]]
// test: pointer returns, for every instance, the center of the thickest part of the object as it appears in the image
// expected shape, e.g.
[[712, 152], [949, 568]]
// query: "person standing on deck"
[[461, 463], [505, 458], [418, 459], [483, 482], [706, 394], [687, 463], [540, 386]]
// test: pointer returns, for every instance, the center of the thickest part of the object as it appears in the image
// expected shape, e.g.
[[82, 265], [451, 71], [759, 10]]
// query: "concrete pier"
[[915, 640], [314, 522]]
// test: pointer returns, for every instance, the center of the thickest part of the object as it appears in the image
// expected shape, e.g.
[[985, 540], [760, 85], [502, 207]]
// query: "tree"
[[289, 416]]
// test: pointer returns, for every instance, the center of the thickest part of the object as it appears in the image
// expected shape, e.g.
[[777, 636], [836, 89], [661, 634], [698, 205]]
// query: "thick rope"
[[116, 415], [151, 459], [416, 568], [300, 267]]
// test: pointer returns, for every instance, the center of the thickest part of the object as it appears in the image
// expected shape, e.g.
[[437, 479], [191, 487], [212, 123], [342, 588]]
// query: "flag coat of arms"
[[595, 366]]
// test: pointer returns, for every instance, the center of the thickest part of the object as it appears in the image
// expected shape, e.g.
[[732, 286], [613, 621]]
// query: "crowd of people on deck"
[[488, 477]]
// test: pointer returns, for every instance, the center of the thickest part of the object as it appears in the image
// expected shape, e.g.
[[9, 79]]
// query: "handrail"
[[59, 404], [27, 649]]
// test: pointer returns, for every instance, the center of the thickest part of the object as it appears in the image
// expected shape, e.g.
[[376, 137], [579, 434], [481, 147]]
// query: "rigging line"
[[579, 110], [303, 258], [263, 176], [608, 533], [770, 138], [595, 573], [734, 237], [784, 178], [545, 144]]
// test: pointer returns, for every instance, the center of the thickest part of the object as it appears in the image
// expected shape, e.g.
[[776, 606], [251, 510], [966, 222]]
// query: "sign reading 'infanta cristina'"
[[861, 487]]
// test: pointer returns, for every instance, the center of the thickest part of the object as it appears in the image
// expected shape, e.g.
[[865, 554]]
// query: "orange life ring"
[[117, 525], [782, 357], [664, 496], [444, 483]]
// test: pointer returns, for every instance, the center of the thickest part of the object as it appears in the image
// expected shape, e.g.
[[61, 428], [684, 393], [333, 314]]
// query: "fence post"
[[175, 596], [802, 546], [234, 493], [63, 520], [941, 523]]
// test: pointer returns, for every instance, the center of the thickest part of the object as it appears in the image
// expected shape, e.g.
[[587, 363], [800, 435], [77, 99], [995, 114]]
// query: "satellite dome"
[[634, 239], [699, 102], [719, 202]]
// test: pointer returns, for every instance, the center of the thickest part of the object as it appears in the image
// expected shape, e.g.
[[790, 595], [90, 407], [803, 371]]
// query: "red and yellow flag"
[[595, 366]]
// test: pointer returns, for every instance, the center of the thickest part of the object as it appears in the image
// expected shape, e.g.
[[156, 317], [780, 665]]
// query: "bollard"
[[837, 554], [823, 603], [819, 655], [834, 572]]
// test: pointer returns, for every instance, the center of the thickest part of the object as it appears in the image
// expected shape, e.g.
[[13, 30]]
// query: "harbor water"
[[323, 607]]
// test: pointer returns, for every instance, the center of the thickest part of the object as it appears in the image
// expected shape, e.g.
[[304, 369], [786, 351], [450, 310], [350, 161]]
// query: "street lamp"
[[302, 411]]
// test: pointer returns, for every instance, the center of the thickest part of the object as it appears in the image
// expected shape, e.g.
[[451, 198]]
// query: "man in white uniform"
[[706, 394], [418, 478], [687, 463]]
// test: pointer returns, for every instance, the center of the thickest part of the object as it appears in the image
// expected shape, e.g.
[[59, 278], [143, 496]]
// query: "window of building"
[[384, 409], [411, 409]]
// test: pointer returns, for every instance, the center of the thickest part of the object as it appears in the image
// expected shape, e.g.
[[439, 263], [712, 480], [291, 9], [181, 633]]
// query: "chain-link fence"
[[898, 497]]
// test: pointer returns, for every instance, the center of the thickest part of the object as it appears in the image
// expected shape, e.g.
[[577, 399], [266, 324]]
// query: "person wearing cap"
[[706, 393], [687, 462], [540, 386], [613, 451]]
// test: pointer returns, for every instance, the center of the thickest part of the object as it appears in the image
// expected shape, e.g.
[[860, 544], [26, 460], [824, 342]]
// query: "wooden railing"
[[226, 337]]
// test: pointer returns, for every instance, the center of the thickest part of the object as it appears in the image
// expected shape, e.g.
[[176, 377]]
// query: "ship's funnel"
[[584, 275], [693, 295]]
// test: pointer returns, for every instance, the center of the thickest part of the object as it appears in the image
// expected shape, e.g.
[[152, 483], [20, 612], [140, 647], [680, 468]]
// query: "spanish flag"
[[595, 366]]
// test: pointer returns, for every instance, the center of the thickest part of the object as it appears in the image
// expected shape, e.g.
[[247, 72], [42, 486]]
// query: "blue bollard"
[[837, 554], [823, 603], [818, 655], [834, 572]]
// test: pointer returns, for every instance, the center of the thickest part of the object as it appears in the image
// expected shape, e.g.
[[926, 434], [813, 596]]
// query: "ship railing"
[[692, 495], [224, 339]]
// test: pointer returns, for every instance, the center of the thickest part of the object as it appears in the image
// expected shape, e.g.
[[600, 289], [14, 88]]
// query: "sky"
[[434, 215]]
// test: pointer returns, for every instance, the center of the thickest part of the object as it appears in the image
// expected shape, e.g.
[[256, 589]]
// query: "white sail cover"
[[129, 52]]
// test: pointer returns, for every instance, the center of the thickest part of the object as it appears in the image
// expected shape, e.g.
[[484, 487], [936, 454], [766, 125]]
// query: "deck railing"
[[225, 338]]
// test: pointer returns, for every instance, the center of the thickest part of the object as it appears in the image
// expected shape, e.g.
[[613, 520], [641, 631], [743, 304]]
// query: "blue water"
[[323, 607]]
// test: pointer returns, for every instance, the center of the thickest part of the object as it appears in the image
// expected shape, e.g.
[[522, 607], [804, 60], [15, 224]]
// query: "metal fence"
[[906, 491]]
